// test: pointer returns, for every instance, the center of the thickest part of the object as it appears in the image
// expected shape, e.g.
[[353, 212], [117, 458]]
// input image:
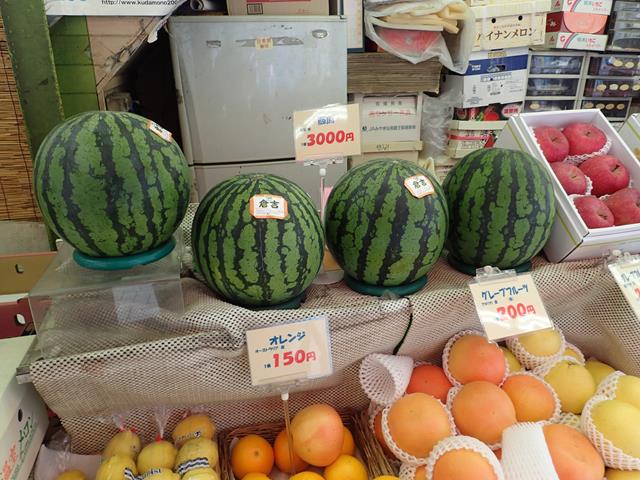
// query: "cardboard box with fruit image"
[[588, 195]]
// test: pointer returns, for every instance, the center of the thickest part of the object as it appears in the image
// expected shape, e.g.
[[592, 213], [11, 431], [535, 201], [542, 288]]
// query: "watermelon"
[[253, 261], [109, 185], [502, 208], [378, 231]]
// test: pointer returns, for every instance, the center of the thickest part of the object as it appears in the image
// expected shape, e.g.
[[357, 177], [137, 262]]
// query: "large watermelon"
[[109, 185], [378, 231], [502, 208], [257, 261]]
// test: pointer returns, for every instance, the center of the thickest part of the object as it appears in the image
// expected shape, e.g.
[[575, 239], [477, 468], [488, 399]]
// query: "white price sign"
[[419, 186], [509, 306], [268, 206], [327, 132], [627, 274], [289, 352]]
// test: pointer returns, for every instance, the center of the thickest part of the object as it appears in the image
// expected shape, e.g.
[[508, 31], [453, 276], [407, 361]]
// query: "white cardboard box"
[[570, 238], [389, 118], [498, 76], [278, 7], [400, 150], [23, 416], [575, 41], [600, 7], [630, 133]]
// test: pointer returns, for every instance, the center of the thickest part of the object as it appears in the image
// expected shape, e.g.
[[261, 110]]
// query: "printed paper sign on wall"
[[111, 7]]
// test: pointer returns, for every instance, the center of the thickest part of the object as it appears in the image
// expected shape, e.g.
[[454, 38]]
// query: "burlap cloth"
[[210, 367]]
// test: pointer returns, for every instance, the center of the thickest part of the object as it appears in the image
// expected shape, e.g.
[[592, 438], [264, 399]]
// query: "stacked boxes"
[[624, 27], [578, 24]]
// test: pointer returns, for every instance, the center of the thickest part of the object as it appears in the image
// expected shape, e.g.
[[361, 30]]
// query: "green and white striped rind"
[[502, 208], [378, 232], [257, 262], [110, 186]]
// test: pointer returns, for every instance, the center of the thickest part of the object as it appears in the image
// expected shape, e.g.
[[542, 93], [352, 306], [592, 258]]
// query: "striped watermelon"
[[257, 261], [502, 207], [110, 186], [379, 232]]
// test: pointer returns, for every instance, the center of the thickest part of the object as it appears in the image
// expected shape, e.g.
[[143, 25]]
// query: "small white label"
[[627, 275], [419, 186], [289, 352], [509, 306], [161, 132], [264, 43], [268, 206]]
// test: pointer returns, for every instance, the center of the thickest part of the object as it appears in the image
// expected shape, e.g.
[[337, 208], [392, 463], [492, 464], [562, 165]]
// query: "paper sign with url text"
[[509, 306], [327, 132], [627, 275], [290, 352]]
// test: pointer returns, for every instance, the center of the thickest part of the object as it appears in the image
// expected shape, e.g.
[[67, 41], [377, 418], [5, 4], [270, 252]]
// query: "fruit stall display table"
[[211, 367]]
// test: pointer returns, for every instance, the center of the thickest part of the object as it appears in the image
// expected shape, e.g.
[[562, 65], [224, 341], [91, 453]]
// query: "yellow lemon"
[[618, 422], [348, 445], [72, 475], [542, 343], [198, 448], [160, 454], [205, 473], [306, 476], [125, 442], [572, 351], [612, 474], [346, 467], [628, 390], [193, 426], [114, 468], [573, 383], [598, 370], [514, 364]]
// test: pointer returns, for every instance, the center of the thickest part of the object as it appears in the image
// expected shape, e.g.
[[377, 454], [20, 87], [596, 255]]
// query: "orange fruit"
[[530, 397], [429, 379], [465, 464], [421, 473], [281, 453], [473, 358], [306, 476], [573, 455], [417, 422], [482, 410], [255, 476], [346, 467], [377, 430], [252, 454], [317, 433], [348, 445]]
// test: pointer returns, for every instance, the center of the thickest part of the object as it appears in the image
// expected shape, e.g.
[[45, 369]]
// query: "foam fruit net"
[[529, 360], [209, 366], [384, 378], [461, 442], [525, 455]]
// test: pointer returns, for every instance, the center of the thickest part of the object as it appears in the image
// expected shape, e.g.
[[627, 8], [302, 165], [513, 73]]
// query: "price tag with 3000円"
[[290, 352], [509, 306], [627, 275]]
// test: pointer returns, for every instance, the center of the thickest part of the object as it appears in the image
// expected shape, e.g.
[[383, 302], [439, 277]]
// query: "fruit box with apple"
[[630, 133], [606, 160]]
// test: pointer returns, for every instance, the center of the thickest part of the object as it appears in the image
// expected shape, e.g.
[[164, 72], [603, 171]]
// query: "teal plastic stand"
[[124, 263], [289, 305], [471, 270], [376, 291]]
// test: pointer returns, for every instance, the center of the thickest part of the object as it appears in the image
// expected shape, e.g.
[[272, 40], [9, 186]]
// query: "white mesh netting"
[[609, 386], [557, 410], [408, 472], [461, 442], [384, 378], [613, 456], [525, 455], [528, 360], [210, 365], [570, 419]]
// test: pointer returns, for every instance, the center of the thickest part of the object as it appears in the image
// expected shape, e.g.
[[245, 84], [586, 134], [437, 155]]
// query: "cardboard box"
[[626, 40], [278, 7], [510, 25], [400, 150], [494, 76], [576, 41], [576, 22], [24, 420], [465, 137], [570, 238], [601, 7], [630, 134], [386, 119]]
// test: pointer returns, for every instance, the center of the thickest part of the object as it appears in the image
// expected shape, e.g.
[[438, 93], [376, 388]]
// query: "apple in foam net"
[[570, 177], [584, 138], [625, 206], [594, 212], [607, 174], [553, 143]]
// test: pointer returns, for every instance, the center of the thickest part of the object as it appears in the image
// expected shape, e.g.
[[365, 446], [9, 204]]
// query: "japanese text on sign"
[[419, 186], [268, 206], [327, 132], [627, 275], [509, 306], [158, 130], [289, 352]]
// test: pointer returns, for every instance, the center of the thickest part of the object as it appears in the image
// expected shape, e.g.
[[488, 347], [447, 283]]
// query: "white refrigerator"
[[239, 80]]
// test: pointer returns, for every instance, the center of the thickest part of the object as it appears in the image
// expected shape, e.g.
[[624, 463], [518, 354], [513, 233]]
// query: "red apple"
[[553, 143], [607, 173], [584, 138], [625, 206], [594, 212], [571, 178]]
